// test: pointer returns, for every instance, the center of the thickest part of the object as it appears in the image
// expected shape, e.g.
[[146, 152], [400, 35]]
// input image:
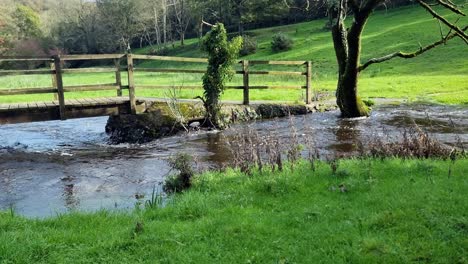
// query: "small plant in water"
[[333, 165], [183, 163], [155, 201]]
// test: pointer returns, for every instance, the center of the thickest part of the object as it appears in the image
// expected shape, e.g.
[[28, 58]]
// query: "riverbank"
[[393, 210]]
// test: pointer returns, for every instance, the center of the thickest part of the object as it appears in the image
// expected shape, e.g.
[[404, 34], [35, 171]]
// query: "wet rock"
[[195, 125], [161, 119], [238, 113], [141, 128], [276, 110]]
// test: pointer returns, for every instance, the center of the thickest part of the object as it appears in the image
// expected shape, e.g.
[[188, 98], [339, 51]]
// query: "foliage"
[[4, 37], [27, 47], [183, 164], [121, 20], [27, 21], [155, 201], [281, 42], [221, 56], [249, 46]]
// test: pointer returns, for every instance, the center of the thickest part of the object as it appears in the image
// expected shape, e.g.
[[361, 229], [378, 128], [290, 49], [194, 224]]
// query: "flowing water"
[[53, 167]]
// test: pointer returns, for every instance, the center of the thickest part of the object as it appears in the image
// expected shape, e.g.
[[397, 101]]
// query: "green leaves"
[[221, 56]]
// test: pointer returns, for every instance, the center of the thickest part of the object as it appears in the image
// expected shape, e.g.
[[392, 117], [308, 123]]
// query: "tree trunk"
[[348, 49], [182, 38], [156, 26], [164, 6], [240, 28]]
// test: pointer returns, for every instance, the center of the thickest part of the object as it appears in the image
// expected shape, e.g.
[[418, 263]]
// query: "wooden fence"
[[59, 89]]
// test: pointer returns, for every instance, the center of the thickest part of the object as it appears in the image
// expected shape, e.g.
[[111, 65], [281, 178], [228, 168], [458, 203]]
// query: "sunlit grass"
[[393, 211], [440, 75]]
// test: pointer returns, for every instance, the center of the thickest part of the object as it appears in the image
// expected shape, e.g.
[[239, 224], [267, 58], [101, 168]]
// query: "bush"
[[281, 42], [249, 46], [222, 54], [164, 51], [183, 163]]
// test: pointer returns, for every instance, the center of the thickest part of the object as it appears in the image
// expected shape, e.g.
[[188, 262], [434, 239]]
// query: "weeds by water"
[[173, 104], [253, 151], [182, 163], [155, 201], [249, 150]]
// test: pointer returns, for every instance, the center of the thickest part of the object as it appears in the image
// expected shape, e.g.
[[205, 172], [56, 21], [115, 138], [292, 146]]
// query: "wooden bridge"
[[61, 108]]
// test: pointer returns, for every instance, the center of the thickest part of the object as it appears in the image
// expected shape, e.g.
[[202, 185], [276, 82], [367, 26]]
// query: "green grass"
[[394, 211], [440, 75]]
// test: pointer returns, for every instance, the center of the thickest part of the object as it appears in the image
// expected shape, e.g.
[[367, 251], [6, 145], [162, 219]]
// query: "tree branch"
[[409, 55], [453, 8], [354, 6], [206, 23], [457, 30]]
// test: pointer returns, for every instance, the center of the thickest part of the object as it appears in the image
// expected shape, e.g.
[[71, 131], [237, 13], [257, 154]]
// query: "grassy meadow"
[[440, 75], [369, 211]]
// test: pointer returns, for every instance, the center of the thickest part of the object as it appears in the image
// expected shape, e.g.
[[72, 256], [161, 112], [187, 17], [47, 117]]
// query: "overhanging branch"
[[450, 6], [404, 55], [457, 30]]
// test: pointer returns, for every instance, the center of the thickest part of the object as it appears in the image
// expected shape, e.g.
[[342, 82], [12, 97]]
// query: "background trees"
[[83, 26]]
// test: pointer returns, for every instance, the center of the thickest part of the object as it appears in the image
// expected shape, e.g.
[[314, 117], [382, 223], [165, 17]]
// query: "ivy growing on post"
[[221, 56]]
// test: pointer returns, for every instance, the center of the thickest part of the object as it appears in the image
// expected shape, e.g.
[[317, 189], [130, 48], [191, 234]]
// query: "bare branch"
[[440, 29], [400, 54], [306, 8], [457, 30], [450, 6], [206, 23]]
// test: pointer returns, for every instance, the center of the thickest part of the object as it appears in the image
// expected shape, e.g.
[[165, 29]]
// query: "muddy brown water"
[[54, 167]]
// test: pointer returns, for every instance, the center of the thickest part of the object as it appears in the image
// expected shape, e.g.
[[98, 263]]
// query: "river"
[[48, 168]]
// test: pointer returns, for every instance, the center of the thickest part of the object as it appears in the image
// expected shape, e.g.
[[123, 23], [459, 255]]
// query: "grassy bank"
[[439, 75], [371, 211]]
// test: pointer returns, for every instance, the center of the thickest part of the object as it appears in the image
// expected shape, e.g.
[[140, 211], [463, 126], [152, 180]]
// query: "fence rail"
[[58, 89]]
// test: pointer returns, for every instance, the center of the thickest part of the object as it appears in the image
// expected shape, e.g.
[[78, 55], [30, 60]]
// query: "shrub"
[[281, 42], [249, 46], [160, 51], [182, 162], [221, 56]]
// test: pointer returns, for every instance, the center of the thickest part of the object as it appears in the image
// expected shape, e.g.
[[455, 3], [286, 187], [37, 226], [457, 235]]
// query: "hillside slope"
[[441, 73]]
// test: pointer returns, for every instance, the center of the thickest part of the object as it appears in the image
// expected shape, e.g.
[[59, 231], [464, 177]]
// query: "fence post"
[[245, 70], [131, 84], [118, 77], [308, 82], [59, 83], [54, 81]]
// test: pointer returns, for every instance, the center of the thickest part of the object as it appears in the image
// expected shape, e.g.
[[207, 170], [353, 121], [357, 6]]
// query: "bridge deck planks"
[[74, 108], [31, 106]]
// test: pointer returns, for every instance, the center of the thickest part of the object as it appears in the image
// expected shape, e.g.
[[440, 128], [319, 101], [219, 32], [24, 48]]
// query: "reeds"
[[250, 150]]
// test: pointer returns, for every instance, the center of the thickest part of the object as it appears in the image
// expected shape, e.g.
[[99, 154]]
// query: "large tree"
[[347, 44], [27, 22], [121, 22]]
